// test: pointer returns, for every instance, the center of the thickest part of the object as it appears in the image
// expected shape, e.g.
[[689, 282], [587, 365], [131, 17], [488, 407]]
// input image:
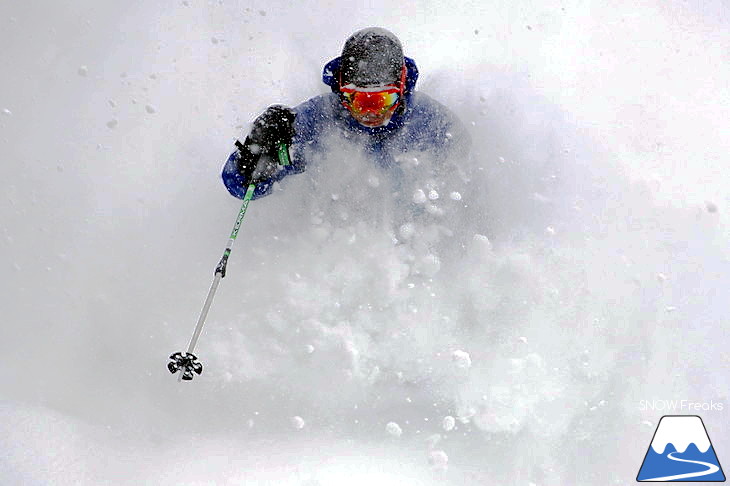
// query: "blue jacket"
[[423, 125]]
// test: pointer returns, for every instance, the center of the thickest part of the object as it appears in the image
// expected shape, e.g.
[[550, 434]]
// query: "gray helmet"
[[370, 57]]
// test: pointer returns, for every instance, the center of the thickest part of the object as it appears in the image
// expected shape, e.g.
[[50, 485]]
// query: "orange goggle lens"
[[376, 102]]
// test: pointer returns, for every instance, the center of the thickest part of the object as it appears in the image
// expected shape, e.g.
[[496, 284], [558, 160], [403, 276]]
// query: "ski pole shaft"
[[220, 270], [204, 313], [187, 363], [201, 320]]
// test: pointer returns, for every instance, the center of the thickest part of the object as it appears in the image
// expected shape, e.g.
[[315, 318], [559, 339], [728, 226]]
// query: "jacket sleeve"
[[237, 186], [309, 117]]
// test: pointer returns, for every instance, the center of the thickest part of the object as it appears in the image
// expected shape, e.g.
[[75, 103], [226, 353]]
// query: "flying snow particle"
[[83, 71], [419, 197], [455, 196], [394, 429], [309, 349], [438, 459], [661, 277], [482, 241], [448, 423], [550, 230], [406, 230], [262, 13], [373, 181], [433, 195], [435, 210], [150, 109], [112, 124], [297, 422], [711, 207], [7, 112], [214, 40], [461, 359]]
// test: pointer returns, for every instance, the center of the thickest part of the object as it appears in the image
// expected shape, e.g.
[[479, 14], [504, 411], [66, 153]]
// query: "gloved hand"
[[259, 157]]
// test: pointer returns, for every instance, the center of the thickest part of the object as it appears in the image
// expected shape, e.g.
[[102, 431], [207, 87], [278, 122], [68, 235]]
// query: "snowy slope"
[[581, 268]]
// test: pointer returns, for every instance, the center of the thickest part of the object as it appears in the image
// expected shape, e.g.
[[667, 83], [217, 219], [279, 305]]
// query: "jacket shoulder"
[[312, 113], [422, 104], [317, 105], [434, 123]]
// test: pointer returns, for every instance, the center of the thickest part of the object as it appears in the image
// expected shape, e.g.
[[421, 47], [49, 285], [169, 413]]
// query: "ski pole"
[[187, 363]]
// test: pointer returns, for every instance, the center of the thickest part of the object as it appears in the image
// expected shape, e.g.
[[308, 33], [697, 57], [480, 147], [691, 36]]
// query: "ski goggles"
[[377, 100]]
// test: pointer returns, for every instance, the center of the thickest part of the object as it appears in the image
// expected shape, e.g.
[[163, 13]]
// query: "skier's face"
[[371, 106]]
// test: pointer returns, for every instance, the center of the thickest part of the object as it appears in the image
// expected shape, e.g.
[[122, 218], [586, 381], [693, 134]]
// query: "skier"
[[372, 105], [372, 102]]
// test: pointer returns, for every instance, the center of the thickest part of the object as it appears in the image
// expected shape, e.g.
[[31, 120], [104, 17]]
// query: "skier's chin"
[[372, 121]]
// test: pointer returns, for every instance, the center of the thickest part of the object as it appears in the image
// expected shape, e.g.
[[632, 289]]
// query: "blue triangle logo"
[[681, 451]]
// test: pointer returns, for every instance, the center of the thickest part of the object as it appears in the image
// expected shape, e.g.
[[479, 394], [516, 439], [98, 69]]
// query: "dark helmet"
[[371, 57]]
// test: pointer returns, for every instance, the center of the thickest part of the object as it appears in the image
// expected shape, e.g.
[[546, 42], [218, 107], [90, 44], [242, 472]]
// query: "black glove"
[[259, 151]]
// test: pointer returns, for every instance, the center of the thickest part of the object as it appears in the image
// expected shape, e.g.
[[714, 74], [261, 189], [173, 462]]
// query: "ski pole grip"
[[283, 152]]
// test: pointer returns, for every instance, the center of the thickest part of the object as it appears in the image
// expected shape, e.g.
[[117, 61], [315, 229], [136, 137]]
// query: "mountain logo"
[[681, 451]]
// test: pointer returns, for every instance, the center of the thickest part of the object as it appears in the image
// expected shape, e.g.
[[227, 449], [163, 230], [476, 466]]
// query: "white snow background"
[[593, 272]]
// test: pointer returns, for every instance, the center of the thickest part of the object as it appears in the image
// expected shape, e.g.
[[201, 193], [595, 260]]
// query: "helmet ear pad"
[[331, 74], [401, 108], [336, 76]]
